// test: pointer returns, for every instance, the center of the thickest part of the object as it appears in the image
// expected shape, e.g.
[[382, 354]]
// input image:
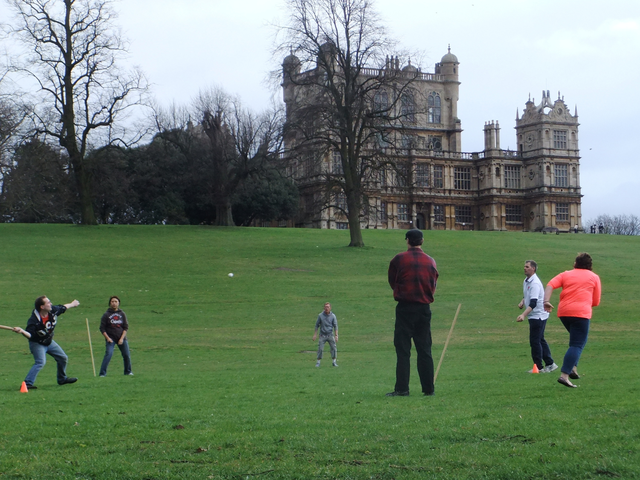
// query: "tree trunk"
[[83, 186], [353, 215], [224, 216], [355, 231]]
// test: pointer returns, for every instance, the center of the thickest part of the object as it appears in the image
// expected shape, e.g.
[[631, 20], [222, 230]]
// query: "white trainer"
[[550, 368]]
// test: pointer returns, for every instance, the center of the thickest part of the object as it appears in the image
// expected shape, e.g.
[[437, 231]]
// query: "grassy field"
[[225, 385]]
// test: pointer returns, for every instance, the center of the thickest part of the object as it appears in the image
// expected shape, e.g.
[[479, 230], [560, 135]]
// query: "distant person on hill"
[[327, 323], [412, 276], [114, 327], [581, 290], [39, 331], [533, 297]]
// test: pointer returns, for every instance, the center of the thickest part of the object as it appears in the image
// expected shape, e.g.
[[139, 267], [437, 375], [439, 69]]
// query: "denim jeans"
[[578, 329], [413, 320], [124, 349], [539, 347], [40, 357]]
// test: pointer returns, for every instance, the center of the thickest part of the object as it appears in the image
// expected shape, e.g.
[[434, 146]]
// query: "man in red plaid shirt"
[[413, 276]]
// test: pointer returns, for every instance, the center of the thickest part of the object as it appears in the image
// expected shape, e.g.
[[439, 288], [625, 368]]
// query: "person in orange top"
[[581, 290]]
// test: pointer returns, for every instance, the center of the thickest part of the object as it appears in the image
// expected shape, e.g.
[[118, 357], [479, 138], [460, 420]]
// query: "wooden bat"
[[446, 343], [93, 363], [4, 327]]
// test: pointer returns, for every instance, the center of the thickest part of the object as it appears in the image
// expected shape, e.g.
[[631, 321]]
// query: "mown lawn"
[[225, 385]]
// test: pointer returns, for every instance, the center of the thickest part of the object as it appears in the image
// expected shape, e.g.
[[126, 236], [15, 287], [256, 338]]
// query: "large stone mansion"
[[535, 187]]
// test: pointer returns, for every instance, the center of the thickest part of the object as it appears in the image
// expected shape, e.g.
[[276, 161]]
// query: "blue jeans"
[[39, 356], [539, 347], [124, 349], [578, 329]]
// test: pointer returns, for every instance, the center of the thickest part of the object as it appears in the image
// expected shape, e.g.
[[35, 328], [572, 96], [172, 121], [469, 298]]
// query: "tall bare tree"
[[344, 92], [71, 50], [12, 116], [227, 141]]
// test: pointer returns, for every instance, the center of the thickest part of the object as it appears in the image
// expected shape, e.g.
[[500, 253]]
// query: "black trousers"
[[413, 321]]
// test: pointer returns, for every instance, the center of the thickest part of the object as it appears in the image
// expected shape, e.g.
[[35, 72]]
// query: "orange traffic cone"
[[23, 388], [535, 369]]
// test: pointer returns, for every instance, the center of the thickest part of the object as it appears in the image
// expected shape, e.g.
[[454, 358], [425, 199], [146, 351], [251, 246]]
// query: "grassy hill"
[[225, 384]]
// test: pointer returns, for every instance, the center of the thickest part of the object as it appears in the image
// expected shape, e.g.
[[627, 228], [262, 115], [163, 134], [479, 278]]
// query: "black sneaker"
[[69, 380], [398, 394], [429, 394], [31, 387]]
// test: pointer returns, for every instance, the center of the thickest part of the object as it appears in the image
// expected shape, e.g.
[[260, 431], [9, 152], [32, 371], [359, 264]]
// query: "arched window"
[[434, 108], [381, 103], [408, 108]]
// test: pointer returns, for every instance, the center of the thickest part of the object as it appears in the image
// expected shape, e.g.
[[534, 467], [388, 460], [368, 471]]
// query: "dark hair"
[[584, 261], [533, 264], [111, 298], [40, 302]]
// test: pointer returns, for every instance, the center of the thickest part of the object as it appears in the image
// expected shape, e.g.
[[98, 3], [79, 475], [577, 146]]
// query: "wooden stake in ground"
[[93, 363], [446, 343]]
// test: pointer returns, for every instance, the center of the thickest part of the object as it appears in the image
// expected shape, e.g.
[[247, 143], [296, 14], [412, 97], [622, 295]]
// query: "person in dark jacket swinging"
[[39, 331], [114, 327], [413, 276]]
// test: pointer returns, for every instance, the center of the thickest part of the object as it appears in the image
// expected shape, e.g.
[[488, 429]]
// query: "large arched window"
[[434, 108]]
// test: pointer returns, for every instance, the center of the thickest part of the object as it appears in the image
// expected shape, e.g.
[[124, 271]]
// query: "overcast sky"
[[508, 50]]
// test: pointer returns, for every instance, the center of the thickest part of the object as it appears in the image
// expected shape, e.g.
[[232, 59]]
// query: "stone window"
[[403, 212], [462, 178], [438, 213], [384, 178], [402, 176], [438, 176], [562, 178], [463, 214], [408, 108], [434, 108], [512, 176], [381, 103], [434, 142], [560, 139], [422, 175], [382, 214], [341, 202], [562, 212], [309, 166], [513, 213], [342, 226], [336, 165]]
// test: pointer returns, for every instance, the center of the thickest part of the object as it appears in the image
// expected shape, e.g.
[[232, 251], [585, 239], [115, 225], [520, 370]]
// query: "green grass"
[[225, 385]]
